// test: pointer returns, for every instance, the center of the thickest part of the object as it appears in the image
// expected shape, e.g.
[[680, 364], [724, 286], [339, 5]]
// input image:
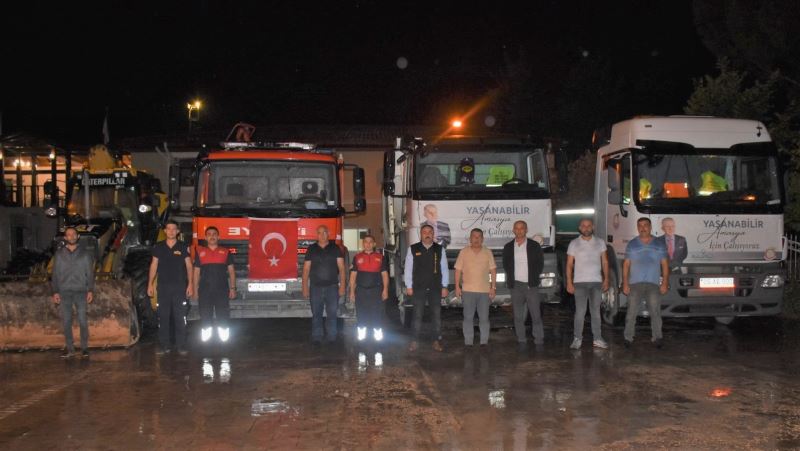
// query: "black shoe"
[[67, 354], [659, 343], [628, 344], [85, 353]]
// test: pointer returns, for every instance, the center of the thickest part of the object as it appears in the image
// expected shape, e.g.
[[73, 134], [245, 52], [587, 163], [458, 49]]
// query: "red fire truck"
[[267, 200]]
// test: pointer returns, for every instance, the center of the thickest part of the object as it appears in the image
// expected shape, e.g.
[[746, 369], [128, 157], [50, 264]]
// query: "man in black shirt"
[[173, 265], [324, 284]]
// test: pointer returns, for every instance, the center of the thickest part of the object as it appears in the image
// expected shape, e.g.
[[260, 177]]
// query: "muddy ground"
[[710, 387]]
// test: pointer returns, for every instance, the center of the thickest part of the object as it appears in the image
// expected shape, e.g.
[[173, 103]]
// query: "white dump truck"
[[460, 183], [716, 187]]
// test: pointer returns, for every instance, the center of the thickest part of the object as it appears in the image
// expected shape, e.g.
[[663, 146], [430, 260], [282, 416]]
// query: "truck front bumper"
[[271, 299], [751, 294]]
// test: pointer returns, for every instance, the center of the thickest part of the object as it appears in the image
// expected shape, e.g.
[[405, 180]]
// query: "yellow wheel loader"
[[118, 212]]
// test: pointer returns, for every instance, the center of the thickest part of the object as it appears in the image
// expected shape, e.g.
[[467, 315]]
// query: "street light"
[[194, 112]]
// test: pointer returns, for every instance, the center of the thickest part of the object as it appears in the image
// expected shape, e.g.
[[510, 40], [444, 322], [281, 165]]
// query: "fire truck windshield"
[[268, 184]]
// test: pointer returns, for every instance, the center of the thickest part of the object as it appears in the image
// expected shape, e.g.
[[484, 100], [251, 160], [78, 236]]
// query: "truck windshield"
[[107, 201], [268, 184], [477, 173], [743, 178]]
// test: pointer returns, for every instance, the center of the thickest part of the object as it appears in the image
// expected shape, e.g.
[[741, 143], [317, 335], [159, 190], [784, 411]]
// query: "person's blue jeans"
[[651, 294], [591, 293], [78, 299], [325, 298]]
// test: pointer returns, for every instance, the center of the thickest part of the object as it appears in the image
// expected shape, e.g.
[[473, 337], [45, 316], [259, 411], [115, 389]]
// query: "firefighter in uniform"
[[426, 277], [369, 287], [215, 285]]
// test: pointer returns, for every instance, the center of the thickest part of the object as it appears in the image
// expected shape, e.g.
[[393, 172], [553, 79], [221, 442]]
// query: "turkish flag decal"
[[273, 248]]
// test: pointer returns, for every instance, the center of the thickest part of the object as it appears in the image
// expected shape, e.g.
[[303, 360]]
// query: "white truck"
[[715, 184], [460, 183]]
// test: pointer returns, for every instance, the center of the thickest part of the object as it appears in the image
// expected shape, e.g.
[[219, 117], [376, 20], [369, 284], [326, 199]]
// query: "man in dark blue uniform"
[[369, 287], [214, 285]]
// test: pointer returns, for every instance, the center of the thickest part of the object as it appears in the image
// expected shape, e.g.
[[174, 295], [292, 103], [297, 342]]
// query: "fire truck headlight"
[[772, 281]]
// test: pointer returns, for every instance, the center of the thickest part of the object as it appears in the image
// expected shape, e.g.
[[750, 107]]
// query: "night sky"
[[552, 68]]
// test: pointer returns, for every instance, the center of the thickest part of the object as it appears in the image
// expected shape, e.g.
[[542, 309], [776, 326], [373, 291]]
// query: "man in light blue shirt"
[[645, 275]]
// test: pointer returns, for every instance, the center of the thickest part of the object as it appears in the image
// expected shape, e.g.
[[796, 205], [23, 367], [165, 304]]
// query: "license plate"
[[716, 282], [262, 286]]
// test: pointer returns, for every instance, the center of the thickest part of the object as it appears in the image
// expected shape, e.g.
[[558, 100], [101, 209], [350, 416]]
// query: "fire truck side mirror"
[[358, 189]]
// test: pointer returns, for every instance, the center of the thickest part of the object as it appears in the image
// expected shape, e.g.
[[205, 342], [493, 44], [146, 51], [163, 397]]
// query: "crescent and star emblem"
[[273, 236]]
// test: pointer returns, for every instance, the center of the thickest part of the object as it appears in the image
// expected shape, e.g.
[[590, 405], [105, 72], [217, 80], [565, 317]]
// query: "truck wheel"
[[137, 265], [609, 306], [726, 320]]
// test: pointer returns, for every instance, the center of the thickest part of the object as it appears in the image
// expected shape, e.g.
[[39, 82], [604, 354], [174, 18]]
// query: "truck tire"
[[137, 266], [609, 307]]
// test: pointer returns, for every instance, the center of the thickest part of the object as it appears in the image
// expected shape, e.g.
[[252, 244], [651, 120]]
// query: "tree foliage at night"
[[758, 73]]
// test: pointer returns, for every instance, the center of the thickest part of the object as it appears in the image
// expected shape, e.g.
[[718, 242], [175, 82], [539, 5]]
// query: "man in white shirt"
[[523, 261], [587, 279]]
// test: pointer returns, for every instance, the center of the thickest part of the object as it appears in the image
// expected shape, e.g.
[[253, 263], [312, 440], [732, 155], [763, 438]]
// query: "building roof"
[[339, 136]]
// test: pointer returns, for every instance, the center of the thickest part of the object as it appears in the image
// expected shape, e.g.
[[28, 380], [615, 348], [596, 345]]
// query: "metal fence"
[[793, 258]]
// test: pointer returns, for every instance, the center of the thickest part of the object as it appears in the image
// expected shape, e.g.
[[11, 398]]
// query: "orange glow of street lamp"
[[456, 123]]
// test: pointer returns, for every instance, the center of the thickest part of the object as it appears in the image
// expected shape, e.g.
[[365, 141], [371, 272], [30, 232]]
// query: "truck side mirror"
[[612, 174], [359, 190], [388, 172]]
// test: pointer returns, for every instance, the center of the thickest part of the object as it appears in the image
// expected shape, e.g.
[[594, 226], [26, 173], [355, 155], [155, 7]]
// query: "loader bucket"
[[30, 320]]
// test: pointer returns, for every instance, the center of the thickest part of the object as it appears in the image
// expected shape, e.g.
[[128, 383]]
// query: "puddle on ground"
[[223, 375], [266, 406]]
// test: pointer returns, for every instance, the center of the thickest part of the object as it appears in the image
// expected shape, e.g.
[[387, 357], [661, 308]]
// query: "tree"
[[735, 93]]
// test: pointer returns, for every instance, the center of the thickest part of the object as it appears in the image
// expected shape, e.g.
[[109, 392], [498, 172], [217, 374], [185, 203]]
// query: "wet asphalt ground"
[[710, 387]]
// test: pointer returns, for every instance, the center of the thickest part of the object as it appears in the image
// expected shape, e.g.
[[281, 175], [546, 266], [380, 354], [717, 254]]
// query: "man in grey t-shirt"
[[587, 277]]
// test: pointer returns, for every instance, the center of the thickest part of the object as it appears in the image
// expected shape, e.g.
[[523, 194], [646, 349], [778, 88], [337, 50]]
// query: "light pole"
[[194, 113]]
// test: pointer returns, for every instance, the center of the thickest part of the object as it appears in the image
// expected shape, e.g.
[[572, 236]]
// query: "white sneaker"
[[576, 343], [600, 343]]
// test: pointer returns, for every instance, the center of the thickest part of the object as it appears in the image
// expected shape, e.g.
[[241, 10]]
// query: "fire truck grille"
[[241, 255]]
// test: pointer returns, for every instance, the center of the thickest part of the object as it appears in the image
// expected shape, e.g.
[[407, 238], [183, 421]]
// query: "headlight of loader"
[[772, 281], [144, 208]]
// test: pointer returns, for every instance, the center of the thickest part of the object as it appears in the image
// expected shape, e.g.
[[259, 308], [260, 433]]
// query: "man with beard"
[[587, 278], [73, 283]]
